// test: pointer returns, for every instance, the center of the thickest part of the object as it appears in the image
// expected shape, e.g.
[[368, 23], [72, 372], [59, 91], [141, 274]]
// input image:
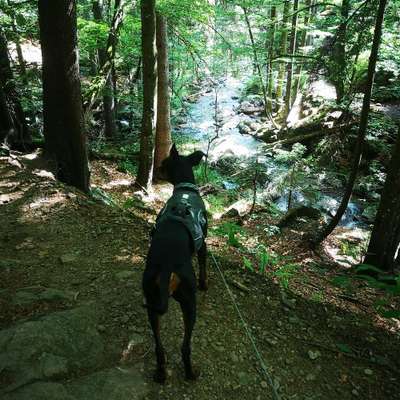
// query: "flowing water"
[[227, 141]]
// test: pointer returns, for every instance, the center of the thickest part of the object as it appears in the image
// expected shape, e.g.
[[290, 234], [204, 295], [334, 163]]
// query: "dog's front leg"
[[202, 258], [154, 319], [189, 319]]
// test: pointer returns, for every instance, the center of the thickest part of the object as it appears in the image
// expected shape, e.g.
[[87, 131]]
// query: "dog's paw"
[[192, 375], [160, 376], [203, 285]]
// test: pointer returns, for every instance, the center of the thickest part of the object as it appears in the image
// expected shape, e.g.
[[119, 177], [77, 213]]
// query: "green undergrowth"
[[257, 258], [373, 278]]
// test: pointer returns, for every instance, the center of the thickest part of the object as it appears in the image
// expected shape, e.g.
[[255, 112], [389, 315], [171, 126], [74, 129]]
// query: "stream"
[[200, 125]]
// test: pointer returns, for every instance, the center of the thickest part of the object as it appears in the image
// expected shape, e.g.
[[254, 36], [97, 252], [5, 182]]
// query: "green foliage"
[[127, 166], [300, 174], [92, 36], [374, 278], [285, 273], [318, 297], [355, 250], [214, 177], [230, 230], [253, 86], [263, 260]]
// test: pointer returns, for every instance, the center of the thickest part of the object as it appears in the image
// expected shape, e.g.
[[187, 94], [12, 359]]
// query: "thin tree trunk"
[[303, 42], [65, 141], [327, 230], [106, 69], [145, 170], [110, 126], [20, 56], [271, 54], [14, 127], [282, 50], [258, 67], [339, 52], [163, 129], [292, 51], [385, 238]]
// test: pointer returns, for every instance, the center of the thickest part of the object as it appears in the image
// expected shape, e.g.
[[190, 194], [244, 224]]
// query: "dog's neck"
[[186, 186]]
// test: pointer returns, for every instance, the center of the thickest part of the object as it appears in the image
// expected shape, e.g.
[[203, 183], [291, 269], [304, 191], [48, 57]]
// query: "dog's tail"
[[165, 284]]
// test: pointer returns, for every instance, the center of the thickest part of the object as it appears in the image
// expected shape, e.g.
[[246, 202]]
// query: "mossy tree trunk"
[[282, 49], [385, 238], [339, 52], [110, 127], [163, 129], [289, 69], [13, 127], [149, 57], [270, 54], [65, 140]]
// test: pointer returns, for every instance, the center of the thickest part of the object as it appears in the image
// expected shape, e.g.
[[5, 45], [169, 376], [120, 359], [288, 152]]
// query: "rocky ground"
[[73, 326]]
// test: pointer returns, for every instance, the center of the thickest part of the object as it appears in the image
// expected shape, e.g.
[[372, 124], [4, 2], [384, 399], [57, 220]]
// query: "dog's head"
[[177, 169]]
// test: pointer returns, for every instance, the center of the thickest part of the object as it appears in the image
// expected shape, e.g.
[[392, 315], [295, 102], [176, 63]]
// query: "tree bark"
[[110, 126], [327, 230], [339, 52], [270, 48], [106, 69], [13, 125], [303, 42], [65, 141], [163, 129], [258, 67], [385, 238], [282, 49], [292, 50], [20, 56], [145, 170]]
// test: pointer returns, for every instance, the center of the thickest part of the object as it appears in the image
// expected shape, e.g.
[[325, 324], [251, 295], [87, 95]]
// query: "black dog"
[[180, 230]]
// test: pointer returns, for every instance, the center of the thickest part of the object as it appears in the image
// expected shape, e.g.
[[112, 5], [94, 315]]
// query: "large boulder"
[[50, 347], [298, 212], [110, 384]]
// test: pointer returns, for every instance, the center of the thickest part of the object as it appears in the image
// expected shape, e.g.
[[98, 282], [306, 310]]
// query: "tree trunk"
[[385, 238], [20, 56], [327, 230], [110, 126], [163, 129], [13, 127], [145, 170], [65, 141], [292, 51], [282, 49], [339, 52], [271, 53], [303, 42], [107, 68], [258, 67]]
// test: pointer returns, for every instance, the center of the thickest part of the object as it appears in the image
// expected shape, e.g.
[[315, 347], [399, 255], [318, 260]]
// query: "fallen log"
[[308, 136]]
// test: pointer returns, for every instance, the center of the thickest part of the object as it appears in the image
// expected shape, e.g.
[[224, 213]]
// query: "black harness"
[[186, 206]]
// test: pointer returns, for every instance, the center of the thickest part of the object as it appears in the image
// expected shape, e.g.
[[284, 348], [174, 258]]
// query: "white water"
[[201, 123], [230, 142]]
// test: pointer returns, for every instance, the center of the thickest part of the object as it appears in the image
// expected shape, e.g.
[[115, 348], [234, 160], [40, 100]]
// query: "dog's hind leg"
[[154, 319], [189, 319], [202, 258]]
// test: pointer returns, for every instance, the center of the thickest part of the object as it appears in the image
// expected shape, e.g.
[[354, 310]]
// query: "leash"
[[260, 358]]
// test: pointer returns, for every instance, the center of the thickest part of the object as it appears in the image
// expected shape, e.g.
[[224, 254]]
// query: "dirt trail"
[[67, 259]]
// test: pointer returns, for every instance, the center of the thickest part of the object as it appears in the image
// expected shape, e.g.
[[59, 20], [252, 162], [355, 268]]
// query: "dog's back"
[[170, 254]]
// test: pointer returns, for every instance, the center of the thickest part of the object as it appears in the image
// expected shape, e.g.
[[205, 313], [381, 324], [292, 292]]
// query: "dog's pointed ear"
[[196, 157], [174, 151]]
